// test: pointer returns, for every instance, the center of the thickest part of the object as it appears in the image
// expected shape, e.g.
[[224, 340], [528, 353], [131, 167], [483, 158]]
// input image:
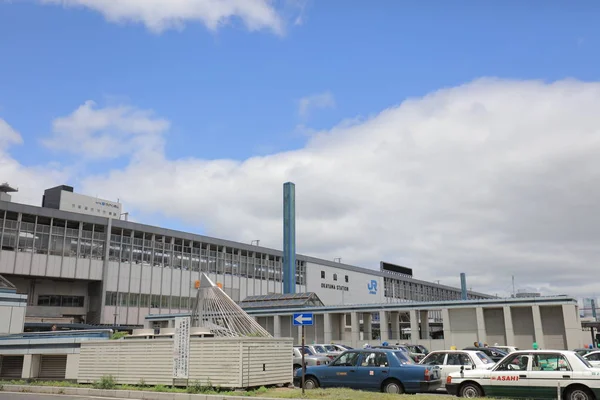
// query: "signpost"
[[181, 348], [303, 319]]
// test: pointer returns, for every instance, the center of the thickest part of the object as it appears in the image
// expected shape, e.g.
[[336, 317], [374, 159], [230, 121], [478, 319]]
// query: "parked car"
[[493, 353], [318, 349], [593, 358], [583, 352], [416, 357], [417, 348], [310, 359], [453, 360], [530, 374], [341, 347], [383, 370], [506, 349]]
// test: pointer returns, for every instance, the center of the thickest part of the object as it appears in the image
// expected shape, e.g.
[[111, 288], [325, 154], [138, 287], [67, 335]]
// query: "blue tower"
[[463, 286], [289, 238]]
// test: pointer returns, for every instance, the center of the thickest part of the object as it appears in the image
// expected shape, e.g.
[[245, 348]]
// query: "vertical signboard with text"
[[181, 348]]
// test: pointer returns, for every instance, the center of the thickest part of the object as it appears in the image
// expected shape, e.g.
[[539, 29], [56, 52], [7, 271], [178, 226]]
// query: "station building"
[[79, 261]]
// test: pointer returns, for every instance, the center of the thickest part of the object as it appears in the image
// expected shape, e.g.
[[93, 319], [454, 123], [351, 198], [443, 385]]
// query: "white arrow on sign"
[[301, 318]]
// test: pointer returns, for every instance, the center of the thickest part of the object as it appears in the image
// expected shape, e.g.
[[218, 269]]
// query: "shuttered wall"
[[11, 366], [53, 366], [224, 362]]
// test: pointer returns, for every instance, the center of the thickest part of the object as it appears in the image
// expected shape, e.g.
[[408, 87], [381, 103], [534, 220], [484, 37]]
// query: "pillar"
[[481, 331], [342, 324], [424, 324], [367, 327], [537, 326], [31, 366], [383, 326], [414, 326], [277, 326], [508, 326], [572, 326], [327, 328], [448, 338], [395, 317], [72, 371], [289, 238], [355, 332]]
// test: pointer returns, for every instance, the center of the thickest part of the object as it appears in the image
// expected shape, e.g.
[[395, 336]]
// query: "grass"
[[276, 393]]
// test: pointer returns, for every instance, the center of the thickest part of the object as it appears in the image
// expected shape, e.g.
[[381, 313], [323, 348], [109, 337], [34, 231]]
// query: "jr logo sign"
[[372, 286]]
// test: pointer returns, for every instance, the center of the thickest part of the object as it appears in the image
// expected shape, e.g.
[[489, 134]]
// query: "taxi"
[[530, 374], [385, 370]]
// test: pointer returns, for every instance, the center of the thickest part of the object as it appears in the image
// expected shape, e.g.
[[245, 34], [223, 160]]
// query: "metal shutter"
[[53, 367], [11, 366]]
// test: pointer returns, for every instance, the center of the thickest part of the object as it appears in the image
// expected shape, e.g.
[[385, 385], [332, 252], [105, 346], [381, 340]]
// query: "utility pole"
[[513, 286]]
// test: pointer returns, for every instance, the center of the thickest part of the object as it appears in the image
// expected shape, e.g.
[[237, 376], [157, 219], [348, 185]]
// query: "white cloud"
[[8, 135], [160, 15], [492, 178], [109, 132], [315, 102]]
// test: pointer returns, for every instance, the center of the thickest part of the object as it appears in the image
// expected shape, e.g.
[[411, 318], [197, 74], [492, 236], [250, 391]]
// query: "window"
[[550, 362], [79, 206], [403, 358], [593, 357], [346, 278], [86, 208], [322, 274], [374, 359], [347, 359], [517, 362], [434, 359], [92, 210], [458, 359], [484, 358], [335, 277], [73, 205], [61, 301]]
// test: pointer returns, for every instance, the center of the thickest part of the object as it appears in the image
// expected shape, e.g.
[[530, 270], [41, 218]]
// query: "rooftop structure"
[[279, 300]]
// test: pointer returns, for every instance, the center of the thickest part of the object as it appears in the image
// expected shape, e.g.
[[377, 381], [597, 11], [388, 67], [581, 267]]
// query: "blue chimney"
[[463, 286], [289, 238]]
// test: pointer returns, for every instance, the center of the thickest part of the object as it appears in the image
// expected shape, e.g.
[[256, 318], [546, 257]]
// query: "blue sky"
[[234, 93], [195, 125]]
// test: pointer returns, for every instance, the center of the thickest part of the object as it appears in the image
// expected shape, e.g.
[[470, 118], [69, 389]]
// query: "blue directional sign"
[[303, 319]]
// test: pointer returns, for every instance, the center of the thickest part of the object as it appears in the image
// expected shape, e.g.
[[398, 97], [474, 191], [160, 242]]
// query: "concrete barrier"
[[122, 394]]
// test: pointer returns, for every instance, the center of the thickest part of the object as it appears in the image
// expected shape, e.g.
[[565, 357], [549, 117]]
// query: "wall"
[[78, 203], [225, 362], [522, 318], [494, 326], [553, 326], [358, 285], [35, 264]]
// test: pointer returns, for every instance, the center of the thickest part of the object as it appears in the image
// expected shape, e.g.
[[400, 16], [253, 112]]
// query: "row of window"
[[60, 300], [335, 277], [110, 213], [149, 300]]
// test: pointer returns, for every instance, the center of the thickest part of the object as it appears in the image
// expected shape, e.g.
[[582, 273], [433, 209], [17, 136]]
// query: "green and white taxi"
[[533, 374]]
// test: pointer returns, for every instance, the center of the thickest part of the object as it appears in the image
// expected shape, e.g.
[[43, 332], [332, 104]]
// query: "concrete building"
[[551, 322], [12, 308], [85, 265]]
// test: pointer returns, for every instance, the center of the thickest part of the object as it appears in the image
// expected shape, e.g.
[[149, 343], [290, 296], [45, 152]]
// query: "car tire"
[[579, 393], [393, 387], [470, 391], [310, 383]]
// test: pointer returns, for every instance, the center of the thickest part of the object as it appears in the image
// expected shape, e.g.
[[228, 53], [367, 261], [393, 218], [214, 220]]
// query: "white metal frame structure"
[[216, 311]]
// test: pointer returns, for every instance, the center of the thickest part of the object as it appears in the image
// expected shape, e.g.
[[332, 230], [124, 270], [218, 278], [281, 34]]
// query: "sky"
[[443, 136]]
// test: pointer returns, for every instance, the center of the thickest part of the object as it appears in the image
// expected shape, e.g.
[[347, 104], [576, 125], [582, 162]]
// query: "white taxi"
[[533, 374], [453, 360]]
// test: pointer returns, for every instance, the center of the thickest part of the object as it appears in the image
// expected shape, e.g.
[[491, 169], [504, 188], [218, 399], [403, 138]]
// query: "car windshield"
[[403, 358], [584, 361], [307, 351], [329, 348], [484, 358], [319, 349]]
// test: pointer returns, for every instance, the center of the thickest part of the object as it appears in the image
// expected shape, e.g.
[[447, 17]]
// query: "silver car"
[[310, 358]]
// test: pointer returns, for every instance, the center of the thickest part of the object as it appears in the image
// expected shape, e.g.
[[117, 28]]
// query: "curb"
[[122, 394]]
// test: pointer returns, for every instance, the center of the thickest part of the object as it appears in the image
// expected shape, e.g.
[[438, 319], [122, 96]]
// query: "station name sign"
[[334, 287]]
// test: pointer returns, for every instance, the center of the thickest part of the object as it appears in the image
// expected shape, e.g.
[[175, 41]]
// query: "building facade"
[[84, 266]]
